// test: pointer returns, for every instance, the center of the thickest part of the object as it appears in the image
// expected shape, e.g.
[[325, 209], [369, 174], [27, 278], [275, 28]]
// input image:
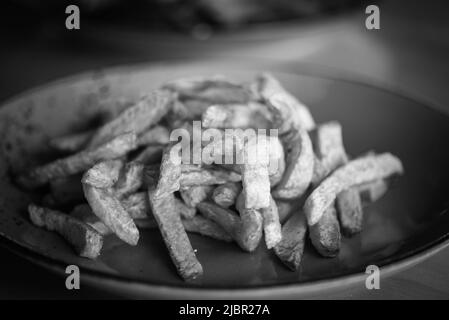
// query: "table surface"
[[410, 53]]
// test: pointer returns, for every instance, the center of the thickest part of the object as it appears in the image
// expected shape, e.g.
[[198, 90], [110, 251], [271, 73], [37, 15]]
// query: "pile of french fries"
[[121, 178]]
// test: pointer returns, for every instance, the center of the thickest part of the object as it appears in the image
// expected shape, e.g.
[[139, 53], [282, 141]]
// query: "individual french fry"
[[86, 241], [71, 142], [250, 231], [150, 155], [170, 172], [350, 214], [103, 174], [137, 118], [290, 249], [226, 194], [372, 191], [251, 115], [196, 194], [206, 227], [355, 172], [175, 237], [299, 168], [288, 112], [115, 148], [111, 212], [130, 179], [325, 234], [271, 224], [156, 135]]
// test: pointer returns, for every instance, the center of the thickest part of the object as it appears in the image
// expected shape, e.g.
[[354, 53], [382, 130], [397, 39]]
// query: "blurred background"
[[410, 54]]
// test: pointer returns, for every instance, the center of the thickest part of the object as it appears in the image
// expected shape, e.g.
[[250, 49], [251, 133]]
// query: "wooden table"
[[410, 53]]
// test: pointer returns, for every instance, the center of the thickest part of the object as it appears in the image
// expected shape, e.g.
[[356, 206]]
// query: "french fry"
[[71, 142], [226, 194], [175, 237], [111, 212], [155, 135], [355, 172], [290, 249], [170, 172], [350, 214], [372, 191], [86, 241], [103, 174], [150, 155], [206, 227], [196, 194], [288, 112], [250, 231], [251, 115], [130, 179], [299, 168], [325, 234], [116, 148], [137, 118], [271, 224]]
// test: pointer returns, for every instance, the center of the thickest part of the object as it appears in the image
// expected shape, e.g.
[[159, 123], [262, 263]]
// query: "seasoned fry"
[[150, 155], [299, 170], [111, 212], [290, 249], [86, 241], [226, 194], [271, 224], [350, 214], [288, 112], [137, 118], [251, 115], [156, 135], [196, 194], [372, 191], [355, 172], [130, 179], [175, 237], [104, 174], [116, 148], [325, 234], [206, 227], [71, 142], [170, 172]]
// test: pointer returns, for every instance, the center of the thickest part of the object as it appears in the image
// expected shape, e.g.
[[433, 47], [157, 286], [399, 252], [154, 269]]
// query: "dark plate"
[[406, 226]]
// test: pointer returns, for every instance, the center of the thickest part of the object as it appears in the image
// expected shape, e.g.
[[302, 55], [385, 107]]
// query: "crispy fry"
[[251, 115], [271, 224], [175, 237], [137, 118], [116, 148], [325, 234], [299, 170], [170, 172], [156, 135], [72, 142], [104, 174], [206, 227], [111, 212], [355, 172], [86, 241], [130, 179], [196, 194], [288, 112], [150, 155], [290, 249], [226, 194], [194, 176], [250, 231], [372, 191], [350, 214]]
